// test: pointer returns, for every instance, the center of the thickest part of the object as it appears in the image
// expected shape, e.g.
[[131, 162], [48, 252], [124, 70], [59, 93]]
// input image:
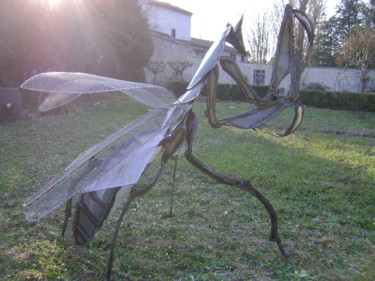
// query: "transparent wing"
[[66, 86], [118, 160]]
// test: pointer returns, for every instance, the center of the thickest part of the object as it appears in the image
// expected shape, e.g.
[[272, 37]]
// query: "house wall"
[[168, 49], [165, 20], [164, 17], [336, 79]]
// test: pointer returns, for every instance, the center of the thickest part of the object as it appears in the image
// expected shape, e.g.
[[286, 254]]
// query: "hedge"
[[224, 91], [339, 100], [323, 99]]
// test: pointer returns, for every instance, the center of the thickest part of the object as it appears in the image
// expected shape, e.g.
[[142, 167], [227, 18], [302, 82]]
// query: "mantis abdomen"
[[93, 209]]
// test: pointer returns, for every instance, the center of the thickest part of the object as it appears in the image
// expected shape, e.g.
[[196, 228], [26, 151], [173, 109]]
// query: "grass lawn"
[[320, 181]]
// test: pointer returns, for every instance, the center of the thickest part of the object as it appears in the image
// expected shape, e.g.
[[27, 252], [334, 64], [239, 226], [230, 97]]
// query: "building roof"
[[170, 7], [195, 43], [205, 45]]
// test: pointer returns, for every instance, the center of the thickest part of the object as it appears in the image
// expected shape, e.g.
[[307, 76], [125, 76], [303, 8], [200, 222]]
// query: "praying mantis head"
[[289, 59]]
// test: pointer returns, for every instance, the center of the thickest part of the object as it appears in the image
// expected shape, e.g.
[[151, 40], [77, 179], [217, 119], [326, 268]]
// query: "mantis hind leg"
[[242, 184]]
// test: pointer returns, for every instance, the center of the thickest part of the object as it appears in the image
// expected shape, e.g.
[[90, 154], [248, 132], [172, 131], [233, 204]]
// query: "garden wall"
[[323, 99]]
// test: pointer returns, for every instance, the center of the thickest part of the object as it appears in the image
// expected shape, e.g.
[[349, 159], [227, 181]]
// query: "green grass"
[[320, 181]]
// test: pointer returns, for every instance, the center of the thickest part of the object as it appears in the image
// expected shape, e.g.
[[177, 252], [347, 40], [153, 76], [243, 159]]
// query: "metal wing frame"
[[64, 87], [118, 160]]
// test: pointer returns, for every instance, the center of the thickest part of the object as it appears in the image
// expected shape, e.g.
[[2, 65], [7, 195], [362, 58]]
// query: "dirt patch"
[[11, 203], [28, 255]]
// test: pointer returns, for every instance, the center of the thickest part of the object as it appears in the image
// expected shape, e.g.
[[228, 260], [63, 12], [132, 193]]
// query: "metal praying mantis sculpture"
[[109, 172]]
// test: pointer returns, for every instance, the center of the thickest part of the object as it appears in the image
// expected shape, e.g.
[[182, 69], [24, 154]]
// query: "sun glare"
[[52, 3]]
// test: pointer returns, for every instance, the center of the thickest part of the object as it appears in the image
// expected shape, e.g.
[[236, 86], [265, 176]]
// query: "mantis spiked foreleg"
[[240, 183]]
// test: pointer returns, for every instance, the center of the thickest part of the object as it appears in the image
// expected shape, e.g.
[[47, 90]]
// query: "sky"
[[211, 16]]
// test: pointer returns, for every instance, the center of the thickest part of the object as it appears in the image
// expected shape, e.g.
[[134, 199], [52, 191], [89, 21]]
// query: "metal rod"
[[113, 245], [174, 183]]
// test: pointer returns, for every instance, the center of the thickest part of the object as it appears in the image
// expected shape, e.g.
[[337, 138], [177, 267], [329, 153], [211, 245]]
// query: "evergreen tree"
[[349, 16], [369, 14], [104, 37], [19, 21], [326, 44]]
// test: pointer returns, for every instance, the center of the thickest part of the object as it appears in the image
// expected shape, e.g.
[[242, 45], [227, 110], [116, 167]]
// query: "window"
[[199, 53], [173, 33], [233, 57], [259, 77]]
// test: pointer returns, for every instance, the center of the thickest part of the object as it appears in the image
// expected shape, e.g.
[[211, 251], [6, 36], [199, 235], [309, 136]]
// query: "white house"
[[170, 20], [170, 27]]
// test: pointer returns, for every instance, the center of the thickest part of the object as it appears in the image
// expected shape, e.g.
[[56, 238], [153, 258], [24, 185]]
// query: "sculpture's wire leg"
[[173, 183], [113, 245], [242, 184], [68, 214]]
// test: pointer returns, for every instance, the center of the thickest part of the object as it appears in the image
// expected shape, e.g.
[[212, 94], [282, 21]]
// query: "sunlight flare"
[[53, 3]]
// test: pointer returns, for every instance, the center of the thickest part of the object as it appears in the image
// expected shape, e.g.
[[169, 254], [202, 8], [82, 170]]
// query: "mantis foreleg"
[[242, 184]]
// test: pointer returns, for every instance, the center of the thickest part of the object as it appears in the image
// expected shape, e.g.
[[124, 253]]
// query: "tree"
[[104, 37], [179, 67], [349, 16], [359, 51], [300, 50], [369, 14], [315, 9], [19, 32], [326, 44], [119, 34], [259, 39], [155, 67]]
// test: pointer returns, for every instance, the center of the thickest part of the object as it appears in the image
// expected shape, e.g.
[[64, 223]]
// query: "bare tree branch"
[[359, 51], [260, 46], [155, 67], [179, 66]]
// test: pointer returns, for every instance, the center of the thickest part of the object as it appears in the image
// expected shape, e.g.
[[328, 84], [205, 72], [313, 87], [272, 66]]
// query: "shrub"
[[339, 100], [317, 98], [224, 91], [315, 86]]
